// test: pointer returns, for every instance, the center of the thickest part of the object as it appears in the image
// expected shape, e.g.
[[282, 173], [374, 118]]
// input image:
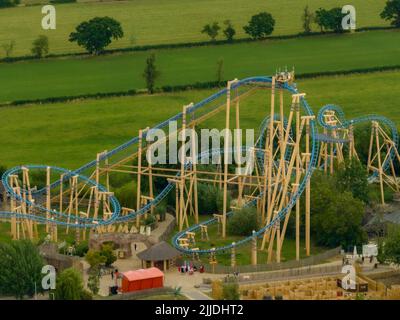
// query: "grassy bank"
[[158, 21], [120, 72], [70, 134]]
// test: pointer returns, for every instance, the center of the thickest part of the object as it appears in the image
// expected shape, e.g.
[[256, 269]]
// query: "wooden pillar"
[[139, 177], [308, 191], [226, 155], [254, 249]]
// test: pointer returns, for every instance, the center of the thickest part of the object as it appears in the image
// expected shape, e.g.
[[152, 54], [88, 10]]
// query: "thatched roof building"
[[160, 255]]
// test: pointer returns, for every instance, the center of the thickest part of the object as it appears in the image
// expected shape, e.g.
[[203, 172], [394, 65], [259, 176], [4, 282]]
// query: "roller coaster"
[[291, 143]]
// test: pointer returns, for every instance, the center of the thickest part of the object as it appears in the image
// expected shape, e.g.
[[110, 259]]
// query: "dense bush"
[[210, 199], [230, 291], [70, 286], [243, 222], [126, 195], [352, 176], [389, 247], [336, 217], [329, 19], [107, 251], [20, 269], [82, 248]]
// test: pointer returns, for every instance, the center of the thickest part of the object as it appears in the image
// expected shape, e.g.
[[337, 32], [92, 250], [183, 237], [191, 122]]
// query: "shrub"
[[40, 46], [389, 248], [69, 285], [82, 248], [94, 281], [230, 291], [260, 25], [243, 222], [94, 258], [107, 251]]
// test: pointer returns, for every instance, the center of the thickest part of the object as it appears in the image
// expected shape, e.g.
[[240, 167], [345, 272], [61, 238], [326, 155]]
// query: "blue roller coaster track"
[[79, 222]]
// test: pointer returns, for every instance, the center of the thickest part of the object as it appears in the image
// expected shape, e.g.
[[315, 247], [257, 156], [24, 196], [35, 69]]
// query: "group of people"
[[189, 268]]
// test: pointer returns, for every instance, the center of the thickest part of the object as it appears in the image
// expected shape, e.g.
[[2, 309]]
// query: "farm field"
[[70, 134], [159, 21], [120, 72]]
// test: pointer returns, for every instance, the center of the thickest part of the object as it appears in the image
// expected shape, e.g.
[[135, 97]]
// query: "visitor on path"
[[135, 246]]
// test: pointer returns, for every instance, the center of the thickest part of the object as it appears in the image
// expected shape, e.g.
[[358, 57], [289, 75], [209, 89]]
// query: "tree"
[[392, 12], [20, 269], [352, 176], [243, 222], [96, 34], [260, 25], [220, 70], [40, 46], [151, 73], [94, 281], [389, 249], [229, 31], [329, 19], [211, 30], [336, 217], [8, 48], [94, 258], [69, 285], [307, 19], [108, 253]]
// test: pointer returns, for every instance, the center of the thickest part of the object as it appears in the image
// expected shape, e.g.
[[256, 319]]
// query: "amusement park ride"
[[288, 149]]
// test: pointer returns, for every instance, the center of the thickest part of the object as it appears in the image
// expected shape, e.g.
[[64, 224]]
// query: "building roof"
[[158, 252], [143, 274]]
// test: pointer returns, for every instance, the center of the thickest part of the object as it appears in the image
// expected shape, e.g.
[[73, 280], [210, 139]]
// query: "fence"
[[291, 273], [276, 266]]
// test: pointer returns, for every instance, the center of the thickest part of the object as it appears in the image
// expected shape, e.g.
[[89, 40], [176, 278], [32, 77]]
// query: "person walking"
[[135, 246]]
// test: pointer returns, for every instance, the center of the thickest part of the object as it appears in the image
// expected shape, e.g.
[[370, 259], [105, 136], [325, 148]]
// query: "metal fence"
[[313, 260]]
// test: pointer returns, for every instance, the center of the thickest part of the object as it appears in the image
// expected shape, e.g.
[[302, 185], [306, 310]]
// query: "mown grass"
[[172, 21], [119, 72], [70, 134]]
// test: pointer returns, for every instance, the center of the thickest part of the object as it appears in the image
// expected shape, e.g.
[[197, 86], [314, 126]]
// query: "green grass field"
[[71, 134], [159, 21], [60, 77]]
